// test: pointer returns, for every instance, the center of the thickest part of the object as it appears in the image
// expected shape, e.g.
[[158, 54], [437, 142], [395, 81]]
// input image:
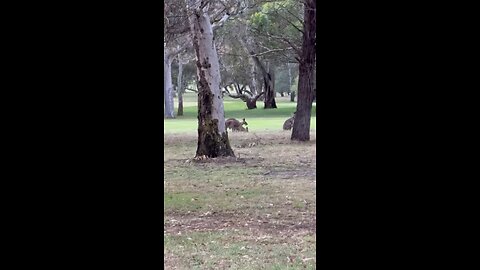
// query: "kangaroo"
[[289, 123], [233, 123], [240, 128]]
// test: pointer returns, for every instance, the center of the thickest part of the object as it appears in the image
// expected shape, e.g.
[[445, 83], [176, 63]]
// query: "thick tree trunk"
[[168, 86], [212, 134], [301, 126]]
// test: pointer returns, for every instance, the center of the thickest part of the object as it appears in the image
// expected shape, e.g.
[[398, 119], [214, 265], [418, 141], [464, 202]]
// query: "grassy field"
[[254, 211], [258, 119]]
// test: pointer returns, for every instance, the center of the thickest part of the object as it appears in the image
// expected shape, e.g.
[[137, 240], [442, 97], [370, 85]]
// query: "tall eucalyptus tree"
[[212, 134]]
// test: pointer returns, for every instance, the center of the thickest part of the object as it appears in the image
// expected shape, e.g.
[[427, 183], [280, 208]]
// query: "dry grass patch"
[[255, 211]]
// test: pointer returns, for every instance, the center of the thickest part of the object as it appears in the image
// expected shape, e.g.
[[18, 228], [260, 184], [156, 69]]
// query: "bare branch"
[[193, 90], [259, 95], [295, 16], [287, 41], [241, 96], [220, 22], [292, 24], [184, 46], [272, 51]]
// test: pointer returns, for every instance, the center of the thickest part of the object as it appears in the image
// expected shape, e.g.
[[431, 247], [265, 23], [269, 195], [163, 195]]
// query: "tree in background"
[[275, 29], [176, 40], [182, 60]]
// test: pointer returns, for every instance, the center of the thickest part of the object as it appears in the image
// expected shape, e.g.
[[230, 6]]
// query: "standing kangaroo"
[[240, 128], [235, 125], [289, 123]]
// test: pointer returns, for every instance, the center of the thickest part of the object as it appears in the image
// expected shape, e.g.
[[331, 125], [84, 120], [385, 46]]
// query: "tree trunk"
[[301, 126], [289, 78], [253, 73], [180, 86], [168, 86], [251, 103], [268, 84], [269, 99], [212, 134]]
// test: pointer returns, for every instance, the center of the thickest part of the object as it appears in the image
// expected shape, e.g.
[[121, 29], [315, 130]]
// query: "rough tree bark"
[[301, 126], [212, 135]]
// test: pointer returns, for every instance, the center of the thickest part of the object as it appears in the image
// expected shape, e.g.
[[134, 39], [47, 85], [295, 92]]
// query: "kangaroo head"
[[244, 122]]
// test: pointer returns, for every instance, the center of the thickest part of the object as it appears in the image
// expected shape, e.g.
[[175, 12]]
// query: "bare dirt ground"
[[254, 211]]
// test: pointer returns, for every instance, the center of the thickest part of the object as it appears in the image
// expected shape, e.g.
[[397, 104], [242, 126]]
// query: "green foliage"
[[275, 22], [259, 20]]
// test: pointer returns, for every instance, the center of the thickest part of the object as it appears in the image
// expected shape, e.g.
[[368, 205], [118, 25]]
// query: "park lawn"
[[255, 211], [259, 120]]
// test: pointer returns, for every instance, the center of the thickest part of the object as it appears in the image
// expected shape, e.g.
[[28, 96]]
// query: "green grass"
[[259, 120]]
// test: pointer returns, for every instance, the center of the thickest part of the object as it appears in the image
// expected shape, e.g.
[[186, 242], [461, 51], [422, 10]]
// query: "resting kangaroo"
[[289, 123], [235, 125]]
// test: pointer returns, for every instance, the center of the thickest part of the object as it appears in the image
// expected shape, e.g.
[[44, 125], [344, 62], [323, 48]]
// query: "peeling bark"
[[212, 134]]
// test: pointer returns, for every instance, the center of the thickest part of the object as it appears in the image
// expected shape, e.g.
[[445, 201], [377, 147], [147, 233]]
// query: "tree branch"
[[287, 41], [258, 96], [184, 46], [193, 90], [272, 51], [243, 97], [220, 23], [295, 16]]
